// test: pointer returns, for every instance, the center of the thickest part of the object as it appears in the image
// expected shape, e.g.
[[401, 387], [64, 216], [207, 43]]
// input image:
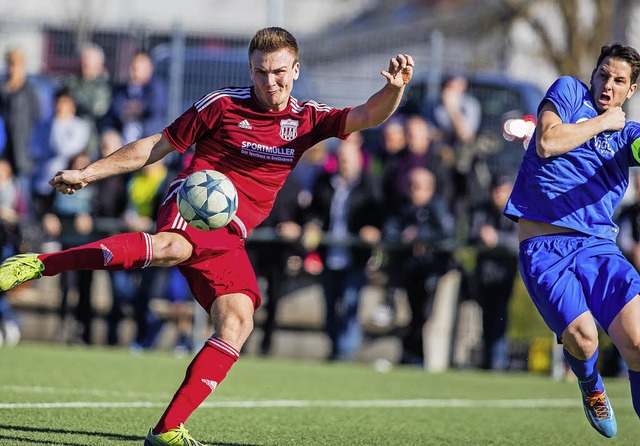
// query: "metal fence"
[[341, 67]]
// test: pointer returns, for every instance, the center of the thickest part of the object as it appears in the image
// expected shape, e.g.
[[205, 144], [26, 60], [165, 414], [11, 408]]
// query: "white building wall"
[[220, 16], [21, 21]]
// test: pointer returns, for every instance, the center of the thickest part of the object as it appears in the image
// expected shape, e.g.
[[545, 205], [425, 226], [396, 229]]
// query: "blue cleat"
[[599, 412]]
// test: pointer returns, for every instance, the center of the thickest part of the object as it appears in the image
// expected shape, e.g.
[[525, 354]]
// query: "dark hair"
[[269, 40], [625, 53], [63, 92]]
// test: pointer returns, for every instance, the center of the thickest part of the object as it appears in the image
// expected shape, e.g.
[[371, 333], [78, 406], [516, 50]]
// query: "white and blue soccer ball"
[[207, 200]]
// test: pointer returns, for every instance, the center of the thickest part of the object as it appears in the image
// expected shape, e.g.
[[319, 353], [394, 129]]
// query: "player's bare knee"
[[581, 340], [630, 352], [235, 330], [245, 327], [232, 317], [170, 249]]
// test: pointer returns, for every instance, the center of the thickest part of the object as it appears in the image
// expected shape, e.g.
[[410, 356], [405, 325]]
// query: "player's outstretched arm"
[[384, 102], [128, 158]]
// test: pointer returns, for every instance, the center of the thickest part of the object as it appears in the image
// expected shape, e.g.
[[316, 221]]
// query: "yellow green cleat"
[[18, 269], [174, 437]]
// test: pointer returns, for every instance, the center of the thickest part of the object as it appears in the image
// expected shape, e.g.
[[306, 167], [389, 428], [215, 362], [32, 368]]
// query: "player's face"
[[273, 75], [611, 84]]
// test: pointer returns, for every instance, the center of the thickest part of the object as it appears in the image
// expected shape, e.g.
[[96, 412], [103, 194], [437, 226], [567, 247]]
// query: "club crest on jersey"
[[603, 145], [289, 129]]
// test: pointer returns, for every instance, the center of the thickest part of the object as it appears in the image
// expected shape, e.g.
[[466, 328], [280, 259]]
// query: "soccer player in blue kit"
[[573, 175]]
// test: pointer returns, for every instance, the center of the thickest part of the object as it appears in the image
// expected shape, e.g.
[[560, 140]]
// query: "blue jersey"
[[580, 189]]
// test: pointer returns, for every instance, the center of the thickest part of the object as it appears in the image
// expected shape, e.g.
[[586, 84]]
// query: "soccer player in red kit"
[[254, 135]]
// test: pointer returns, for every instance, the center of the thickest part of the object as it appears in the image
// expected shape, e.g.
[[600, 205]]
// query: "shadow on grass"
[[105, 435]]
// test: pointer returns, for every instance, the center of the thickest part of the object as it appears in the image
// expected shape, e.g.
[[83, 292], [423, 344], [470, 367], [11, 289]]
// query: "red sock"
[[122, 251], [205, 372]]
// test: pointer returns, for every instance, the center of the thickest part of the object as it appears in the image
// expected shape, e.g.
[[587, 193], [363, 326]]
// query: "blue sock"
[[586, 371], [634, 380]]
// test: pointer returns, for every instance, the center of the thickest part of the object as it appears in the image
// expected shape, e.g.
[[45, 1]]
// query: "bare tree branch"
[[582, 41]]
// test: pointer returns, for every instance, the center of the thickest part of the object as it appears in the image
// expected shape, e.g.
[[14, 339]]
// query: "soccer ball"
[[207, 200]]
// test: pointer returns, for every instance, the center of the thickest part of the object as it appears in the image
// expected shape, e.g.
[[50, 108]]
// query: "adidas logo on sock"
[[108, 255], [210, 383], [245, 125]]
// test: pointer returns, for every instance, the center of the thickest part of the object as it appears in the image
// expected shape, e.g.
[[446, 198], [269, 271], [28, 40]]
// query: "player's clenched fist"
[[67, 182], [615, 118]]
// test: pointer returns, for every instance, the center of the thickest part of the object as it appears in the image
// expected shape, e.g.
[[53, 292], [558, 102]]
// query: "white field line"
[[390, 404], [221, 403]]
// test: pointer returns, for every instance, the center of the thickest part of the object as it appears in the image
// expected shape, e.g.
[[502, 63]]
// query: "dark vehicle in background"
[[509, 110]]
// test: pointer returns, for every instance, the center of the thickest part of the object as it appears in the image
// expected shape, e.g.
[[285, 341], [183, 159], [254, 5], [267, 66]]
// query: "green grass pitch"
[[60, 395]]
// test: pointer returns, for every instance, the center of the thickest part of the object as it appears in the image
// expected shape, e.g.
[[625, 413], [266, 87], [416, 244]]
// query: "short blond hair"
[[270, 40]]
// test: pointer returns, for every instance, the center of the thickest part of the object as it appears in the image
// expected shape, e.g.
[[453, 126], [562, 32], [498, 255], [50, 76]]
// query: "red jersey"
[[255, 148]]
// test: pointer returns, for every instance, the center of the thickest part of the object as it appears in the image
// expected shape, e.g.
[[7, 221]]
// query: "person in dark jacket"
[[138, 107], [20, 109], [496, 238], [270, 247], [421, 225], [346, 208]]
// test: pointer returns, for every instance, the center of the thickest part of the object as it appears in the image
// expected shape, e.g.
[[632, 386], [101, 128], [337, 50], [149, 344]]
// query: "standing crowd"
[[398, 202], [88, 116]]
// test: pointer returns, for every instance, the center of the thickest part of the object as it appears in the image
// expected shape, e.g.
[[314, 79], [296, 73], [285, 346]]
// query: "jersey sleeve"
[[192, 124], [329, 122], [565, 93], [633, 130]]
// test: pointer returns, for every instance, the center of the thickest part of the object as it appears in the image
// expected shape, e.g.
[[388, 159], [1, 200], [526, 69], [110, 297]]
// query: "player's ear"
[[296, 71], [632, 89]]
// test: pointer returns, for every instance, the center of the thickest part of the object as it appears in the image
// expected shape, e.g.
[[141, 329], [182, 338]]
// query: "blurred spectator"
[[393, 137], [308, 169], [20, 109], [629, 222], [11, 209], [270, 255], [181, 299], [145, 190], [70, 222], [456, 116], [139, 106], [421, 151], [496, 238], [393, 147], [68, 135], [346, 208], [330, 164], [109, 204], [91, 90], [110, 200], [423, 224], [628, 240]]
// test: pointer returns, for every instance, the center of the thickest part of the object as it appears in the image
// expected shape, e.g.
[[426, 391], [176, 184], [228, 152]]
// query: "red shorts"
[[219, 264]]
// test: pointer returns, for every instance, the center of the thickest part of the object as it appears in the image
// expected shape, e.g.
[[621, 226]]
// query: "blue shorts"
[[569, 274]]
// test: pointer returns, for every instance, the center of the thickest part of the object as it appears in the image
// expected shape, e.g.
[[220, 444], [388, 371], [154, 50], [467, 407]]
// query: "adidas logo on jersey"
[[245, 125]]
